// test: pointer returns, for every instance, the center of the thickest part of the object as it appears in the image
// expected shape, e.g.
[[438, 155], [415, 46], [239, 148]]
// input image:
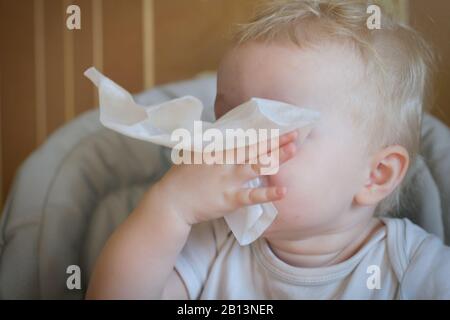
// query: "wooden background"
[[138, 43]]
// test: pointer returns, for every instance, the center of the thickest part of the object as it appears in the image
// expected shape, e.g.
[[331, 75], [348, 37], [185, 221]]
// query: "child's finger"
[[245, 197], [251, 171], [251, 152], [287, 152], [273, 144], [288, 137]]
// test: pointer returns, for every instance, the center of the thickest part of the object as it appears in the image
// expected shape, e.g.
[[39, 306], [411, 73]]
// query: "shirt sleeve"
[[427, 275], [199, 253]]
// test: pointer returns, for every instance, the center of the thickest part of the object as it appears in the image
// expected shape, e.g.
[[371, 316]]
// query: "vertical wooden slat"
[[122, 42], [68, 47], [148, 43], [83, 58], [55, 24], [18, 85], [404, 11], [97, 40], [97, 34], [40, 78], [1, 140]]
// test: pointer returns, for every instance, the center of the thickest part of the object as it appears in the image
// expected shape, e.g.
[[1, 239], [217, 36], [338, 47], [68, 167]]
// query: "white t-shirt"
[[400, 261]]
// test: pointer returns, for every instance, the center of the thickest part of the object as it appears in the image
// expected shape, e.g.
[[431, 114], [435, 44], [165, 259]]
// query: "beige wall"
[[138, 43]]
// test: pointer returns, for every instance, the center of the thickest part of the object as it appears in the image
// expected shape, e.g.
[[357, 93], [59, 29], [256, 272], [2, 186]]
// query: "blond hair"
[[398, 64]]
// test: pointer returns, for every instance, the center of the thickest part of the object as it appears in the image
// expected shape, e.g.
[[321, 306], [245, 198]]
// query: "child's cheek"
[[286, 175], [277, 179]]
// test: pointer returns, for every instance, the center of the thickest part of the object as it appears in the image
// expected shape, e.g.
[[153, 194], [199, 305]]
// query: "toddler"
[[331, 238]]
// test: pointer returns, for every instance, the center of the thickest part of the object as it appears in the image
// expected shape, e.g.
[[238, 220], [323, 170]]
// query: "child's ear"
[[388, 169]]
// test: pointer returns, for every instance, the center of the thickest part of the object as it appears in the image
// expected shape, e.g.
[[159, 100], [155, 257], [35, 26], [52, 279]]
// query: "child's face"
[[331, 166]]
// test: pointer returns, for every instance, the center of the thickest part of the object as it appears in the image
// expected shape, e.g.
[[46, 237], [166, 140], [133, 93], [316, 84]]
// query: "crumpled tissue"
[[156, 123]]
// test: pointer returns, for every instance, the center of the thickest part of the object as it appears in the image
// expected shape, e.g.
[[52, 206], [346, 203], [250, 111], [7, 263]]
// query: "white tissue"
[[119, 112]]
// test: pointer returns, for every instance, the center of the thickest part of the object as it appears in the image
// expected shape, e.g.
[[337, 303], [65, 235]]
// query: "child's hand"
[[201, 192], [141, 254]]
